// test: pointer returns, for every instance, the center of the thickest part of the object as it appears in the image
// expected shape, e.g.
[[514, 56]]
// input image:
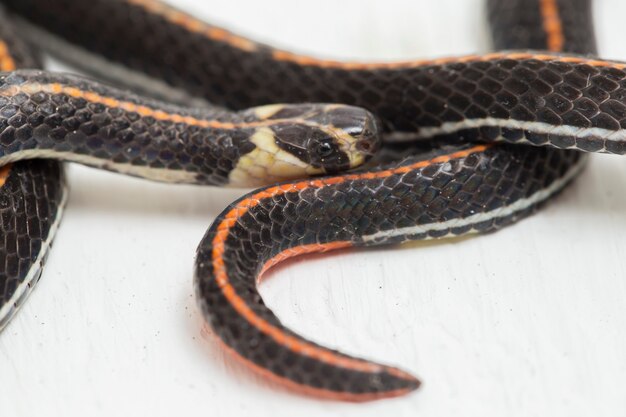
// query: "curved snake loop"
[[466, 172]]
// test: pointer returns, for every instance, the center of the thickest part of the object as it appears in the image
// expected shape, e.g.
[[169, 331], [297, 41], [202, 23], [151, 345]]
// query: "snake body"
[[32, 198], [71, 118], [469, 182]]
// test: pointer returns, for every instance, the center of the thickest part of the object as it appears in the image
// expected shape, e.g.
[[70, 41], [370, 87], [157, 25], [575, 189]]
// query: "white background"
[[526, 322]]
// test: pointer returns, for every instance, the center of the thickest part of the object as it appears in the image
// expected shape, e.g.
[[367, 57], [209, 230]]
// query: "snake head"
[[299, 140]]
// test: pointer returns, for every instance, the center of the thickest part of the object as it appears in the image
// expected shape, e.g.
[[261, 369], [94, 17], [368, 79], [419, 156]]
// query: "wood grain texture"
[[528, 321]]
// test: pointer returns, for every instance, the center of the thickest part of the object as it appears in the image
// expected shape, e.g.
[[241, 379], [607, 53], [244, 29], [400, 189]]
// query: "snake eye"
[[324, 149]]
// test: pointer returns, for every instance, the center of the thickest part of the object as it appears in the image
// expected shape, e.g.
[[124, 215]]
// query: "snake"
[[46, 116], [471, 144], [32, 199]]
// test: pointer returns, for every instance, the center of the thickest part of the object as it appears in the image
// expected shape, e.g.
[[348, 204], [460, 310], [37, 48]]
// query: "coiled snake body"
[[467, 173]]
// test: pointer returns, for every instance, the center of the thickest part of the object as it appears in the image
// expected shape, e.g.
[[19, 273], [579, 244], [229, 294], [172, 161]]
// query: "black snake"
[[452, 164]]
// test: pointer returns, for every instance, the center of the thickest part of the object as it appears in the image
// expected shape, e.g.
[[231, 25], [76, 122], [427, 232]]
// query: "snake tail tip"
[[388, 383]]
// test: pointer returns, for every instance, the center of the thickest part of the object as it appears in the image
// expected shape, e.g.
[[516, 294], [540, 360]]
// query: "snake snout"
[[358, 132], [369, 140]]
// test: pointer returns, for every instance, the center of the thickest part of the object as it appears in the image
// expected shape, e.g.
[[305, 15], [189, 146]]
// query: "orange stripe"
[[289, 341], [552, 25], [549, 11], [302, 250], [6, 61], [142, 110], [4, 173], [6, 64], [194, 25], [308, 61], [312, 391], [145, 111]]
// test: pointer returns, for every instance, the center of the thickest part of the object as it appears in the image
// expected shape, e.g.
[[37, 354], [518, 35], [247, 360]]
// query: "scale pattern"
[[73, 118], [514, 25], [349, 211], [31, 202], [534, 89], [455, 193], [450, 190]]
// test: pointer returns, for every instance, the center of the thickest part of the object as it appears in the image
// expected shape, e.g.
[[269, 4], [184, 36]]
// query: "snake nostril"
[[366, 146]]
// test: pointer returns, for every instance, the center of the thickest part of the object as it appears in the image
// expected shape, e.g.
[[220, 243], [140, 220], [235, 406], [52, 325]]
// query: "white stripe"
[[10, 307], [534, 127], [175, 176], [500, 212]]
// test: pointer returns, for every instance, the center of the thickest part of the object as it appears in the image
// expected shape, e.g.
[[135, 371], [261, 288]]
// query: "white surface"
[[525, 322]]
